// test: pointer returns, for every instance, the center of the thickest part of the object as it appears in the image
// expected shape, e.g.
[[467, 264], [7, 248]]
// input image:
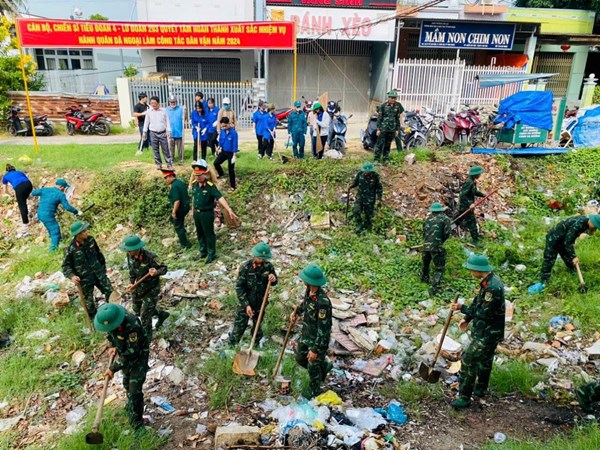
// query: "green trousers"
[[439, 262], [100, 281], [469, 222], [134, 376], [317, 370], [241, 323], [363, 215], [476, 367], [205, 230], [382, 146], [146, 307], [179, 225]]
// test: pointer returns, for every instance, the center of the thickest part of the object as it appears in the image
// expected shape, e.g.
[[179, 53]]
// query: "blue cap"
[[297, 103], [62, 182]]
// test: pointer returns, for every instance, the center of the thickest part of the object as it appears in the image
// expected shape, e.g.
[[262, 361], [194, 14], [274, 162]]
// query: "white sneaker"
[[260, 156], [271, 158]]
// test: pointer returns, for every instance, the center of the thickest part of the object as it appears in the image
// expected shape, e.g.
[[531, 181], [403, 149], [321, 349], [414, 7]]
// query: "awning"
[[500, 79], [569, 39]]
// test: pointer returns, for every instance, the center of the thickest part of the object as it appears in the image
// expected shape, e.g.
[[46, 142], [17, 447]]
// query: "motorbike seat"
[[410, 114]]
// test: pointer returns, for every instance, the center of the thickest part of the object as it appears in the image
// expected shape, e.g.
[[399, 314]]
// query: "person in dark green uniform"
[[487, 314], [250, 288], [436, 231], [85, 265], [466, 201], [205, 194], [180, 205], [128, 340], [145, 297], [587, 395], [370, 191], [389, 122], [560, 240], [315, 308]]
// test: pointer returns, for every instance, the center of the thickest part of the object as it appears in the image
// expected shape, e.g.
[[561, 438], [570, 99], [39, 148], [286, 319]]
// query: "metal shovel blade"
[[583, 288], [245, 362], [94, 438], [429, 374], [115, 297]]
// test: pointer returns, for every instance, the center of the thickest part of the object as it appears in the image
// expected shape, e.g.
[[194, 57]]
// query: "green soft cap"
[[109, 317], [79, 227], [437, 207], [62, 182], [313, 275], [132, 243], [316, 105], [392, 94], [368, 167], [478, 263], [476, 170], [262, 250], [595, 219]]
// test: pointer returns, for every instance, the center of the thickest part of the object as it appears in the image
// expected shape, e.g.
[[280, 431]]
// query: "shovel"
[[477, 203], [245, 361], [582, 288], [285, 341], [347, 203], [94, 437], [430, 374], [85, 310]]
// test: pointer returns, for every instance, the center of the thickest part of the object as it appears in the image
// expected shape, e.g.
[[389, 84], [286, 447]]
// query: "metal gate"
[[439, 85], [554, 62], [240, 94]]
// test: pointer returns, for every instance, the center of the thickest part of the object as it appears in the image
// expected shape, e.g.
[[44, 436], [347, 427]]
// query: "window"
[[70, 59], [63, 64], [51, 63], [88, 64]]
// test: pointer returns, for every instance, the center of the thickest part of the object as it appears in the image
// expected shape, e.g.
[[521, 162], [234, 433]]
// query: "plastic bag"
[[394, 412], [350, 435], [365, 418], [294, 411], [329, 398]]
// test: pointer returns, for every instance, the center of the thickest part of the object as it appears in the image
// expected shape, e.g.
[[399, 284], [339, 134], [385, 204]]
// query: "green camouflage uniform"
[[178, 192], [250, 289], [204, 218], [316, 331], [436, 230], [487, 314], [132, 346], [560, 240], [388, 123], [86, 261], [370, 190], [467, 197], [588, 394], [145, 296]]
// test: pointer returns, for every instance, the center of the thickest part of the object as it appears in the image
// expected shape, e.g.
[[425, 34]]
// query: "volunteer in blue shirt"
[[176, 113], [212, 115], [257, 117], [22, 187], [50, 198], [199, 97], [269, 124], [200, 127], [228, 147]]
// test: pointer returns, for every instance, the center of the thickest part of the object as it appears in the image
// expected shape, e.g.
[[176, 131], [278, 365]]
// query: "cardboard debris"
[[376, 367], [346, 342], [320, 221]]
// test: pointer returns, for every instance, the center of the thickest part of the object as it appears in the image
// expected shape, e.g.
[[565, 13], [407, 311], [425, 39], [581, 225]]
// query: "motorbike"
[[368, 136], [455, 129], [94, 123], [333, 108], [22, 127], [339, 127], [414, 133]]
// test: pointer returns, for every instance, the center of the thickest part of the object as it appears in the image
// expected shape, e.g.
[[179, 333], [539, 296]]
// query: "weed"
[[515, 377], [583, 438]]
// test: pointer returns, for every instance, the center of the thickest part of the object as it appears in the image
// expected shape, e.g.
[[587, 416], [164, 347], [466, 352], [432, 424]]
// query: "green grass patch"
[[583, 438], [515, 377]]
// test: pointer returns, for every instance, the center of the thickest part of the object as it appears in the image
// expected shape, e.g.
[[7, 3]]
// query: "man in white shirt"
[[158, 127]]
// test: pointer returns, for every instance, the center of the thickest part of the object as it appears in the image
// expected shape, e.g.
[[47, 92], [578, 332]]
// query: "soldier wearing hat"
[[487, 314], [560, 240], [370, 191], [128, 340], [466, 201], [180, 205], [436, 230], [250, 288], [84, 264], [297, 126], [389, 121], [205, 194], [145, 296], [311, 352], [50, 198]]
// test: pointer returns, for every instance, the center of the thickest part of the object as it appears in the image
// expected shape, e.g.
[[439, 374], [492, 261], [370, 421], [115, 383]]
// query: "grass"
[[585, 437], [515, 377]]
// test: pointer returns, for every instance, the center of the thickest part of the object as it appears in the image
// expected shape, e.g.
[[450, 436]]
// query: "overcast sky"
[[62, 9]]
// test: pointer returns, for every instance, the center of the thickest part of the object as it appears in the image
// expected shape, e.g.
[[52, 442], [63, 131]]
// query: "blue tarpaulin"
[[586, 133], [533, 108]]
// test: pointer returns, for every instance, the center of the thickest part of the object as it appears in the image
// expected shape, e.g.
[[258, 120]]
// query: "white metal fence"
[[240, 94], [77, 81], [443, 84]]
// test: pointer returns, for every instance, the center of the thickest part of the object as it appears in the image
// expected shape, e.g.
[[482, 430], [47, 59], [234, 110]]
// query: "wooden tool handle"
[[260, 316], [446, 325], [477, 203], [98, 418], [84, 306], [138, 282], [579, 274], [285, 341]]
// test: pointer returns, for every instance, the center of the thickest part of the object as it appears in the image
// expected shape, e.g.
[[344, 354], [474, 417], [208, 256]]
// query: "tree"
[[130, 71], [11, 6], [98, 16]]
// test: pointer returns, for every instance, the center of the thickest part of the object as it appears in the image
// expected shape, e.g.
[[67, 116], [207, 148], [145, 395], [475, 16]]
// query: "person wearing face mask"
[[322, 121], [297, 126], [226, 111]]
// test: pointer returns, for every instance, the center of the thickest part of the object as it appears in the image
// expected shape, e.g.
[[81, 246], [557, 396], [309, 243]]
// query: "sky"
[[61, 9]]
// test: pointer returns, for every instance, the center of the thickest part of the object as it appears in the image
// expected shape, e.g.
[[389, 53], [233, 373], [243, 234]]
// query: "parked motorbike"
[[94, 123], [414, 133], [333, 108], [22, 127], [368, 136], [339, 127], [281, 115], [455, 129]]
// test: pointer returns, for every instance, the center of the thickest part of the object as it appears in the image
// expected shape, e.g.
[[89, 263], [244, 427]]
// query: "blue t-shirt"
[[228, 140], [176, 121], [15, 178], [212, 116]]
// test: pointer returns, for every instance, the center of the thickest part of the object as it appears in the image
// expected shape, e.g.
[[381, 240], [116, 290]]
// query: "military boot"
[[162, 316], [480, 392], [461, 403]]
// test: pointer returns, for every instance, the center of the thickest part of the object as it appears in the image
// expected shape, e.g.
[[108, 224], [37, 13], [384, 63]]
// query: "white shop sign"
[[346, 24]]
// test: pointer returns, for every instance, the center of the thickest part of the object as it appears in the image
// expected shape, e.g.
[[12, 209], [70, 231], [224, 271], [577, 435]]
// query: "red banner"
[[229, 36]]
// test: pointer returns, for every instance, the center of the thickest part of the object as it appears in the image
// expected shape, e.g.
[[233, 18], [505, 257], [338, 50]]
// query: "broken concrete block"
[[594, 350], [232, 435], [410, 158]]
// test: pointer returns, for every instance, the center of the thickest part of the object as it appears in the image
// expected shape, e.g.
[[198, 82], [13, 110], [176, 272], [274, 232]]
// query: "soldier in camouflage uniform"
[[560, 240], [145, 296], [588, 394], [84, 263], [436, 230], [251, 286], [311, 352], [369, 192], [487, 313], [389, 122], [466, 200], [128, 340], [180, 205]]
